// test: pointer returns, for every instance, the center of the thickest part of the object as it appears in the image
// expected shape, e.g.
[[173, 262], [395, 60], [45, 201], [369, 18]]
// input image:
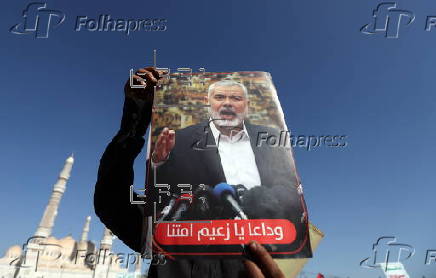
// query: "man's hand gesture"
[[164, 144]]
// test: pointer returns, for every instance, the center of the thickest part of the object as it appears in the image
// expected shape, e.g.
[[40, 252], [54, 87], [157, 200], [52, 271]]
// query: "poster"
[[230, 175]]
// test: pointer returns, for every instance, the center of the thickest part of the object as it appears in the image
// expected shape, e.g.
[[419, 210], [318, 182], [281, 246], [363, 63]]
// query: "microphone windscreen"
[[220, 188]]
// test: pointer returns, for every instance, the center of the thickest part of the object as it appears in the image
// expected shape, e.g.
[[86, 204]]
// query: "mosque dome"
[[13, 251]]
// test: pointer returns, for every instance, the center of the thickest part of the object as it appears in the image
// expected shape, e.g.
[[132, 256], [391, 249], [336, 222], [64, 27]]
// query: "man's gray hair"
[[227, 83]]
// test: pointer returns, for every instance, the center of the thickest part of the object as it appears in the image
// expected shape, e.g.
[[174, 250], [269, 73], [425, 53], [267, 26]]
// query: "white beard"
[[216, 117]]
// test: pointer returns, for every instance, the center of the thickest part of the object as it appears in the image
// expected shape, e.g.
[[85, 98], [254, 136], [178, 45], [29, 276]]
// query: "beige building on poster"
[[44, 256]]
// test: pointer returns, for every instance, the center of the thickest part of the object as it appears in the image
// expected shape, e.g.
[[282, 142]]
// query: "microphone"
[[227, 194], [177, 208], [202, 196], [166, 210], [240, 191]]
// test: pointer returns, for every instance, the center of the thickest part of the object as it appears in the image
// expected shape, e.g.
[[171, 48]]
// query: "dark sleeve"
[[115, 176]]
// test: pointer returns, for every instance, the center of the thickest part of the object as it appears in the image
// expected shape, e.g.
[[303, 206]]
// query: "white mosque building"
[[44, 256]]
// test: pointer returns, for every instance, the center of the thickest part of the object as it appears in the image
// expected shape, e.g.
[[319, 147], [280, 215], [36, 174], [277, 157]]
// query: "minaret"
[[28, 264], [83, 243], [85, 231], [104, 258], [106, 241], [47, 221]]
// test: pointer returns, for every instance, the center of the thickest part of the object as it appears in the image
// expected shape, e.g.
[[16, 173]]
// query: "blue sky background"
[[64, 94]]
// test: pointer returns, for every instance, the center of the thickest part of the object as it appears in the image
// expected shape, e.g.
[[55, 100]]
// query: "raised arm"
[[115, 174]]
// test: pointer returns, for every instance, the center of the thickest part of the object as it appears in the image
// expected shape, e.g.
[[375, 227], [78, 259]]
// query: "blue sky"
[[64, 94]]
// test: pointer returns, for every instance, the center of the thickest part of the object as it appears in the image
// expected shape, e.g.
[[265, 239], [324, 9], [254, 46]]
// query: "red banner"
[[226, 232]]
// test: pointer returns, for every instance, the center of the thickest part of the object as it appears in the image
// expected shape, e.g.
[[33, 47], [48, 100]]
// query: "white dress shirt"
[[237, 157]]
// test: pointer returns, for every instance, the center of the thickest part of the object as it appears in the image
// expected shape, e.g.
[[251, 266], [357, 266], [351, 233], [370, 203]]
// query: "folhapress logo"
[[387, 19], [387, 250], [38, 19]]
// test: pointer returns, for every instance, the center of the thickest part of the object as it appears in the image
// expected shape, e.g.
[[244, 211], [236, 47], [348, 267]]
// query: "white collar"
[[217, 135]]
